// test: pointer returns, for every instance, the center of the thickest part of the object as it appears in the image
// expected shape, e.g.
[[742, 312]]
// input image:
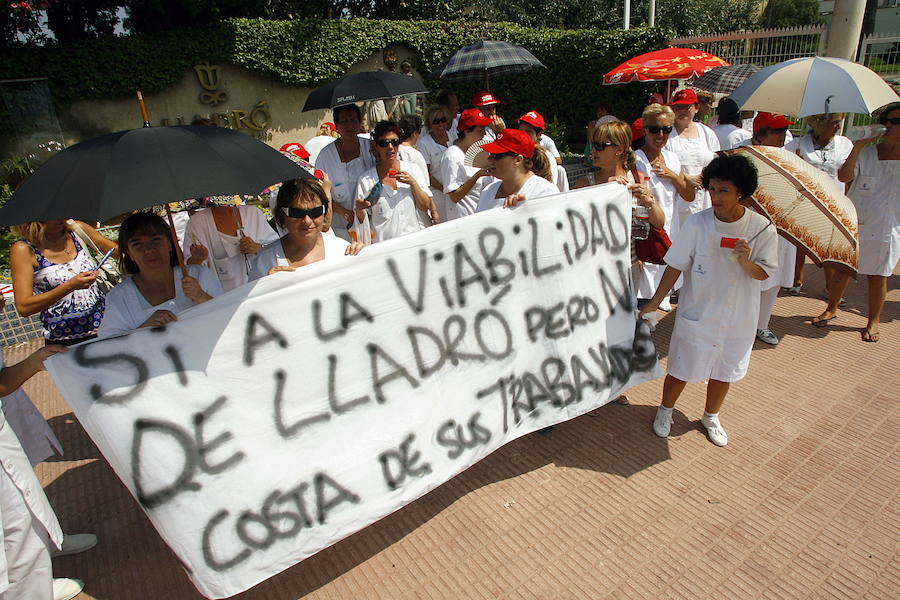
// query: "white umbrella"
[[814, 85]]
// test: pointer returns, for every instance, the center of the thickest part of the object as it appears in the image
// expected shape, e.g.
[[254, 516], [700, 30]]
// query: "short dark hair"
[[735, 168], [295, 188], [383, 128], [337, 110], [142, 223], [409, 125], [443, 97]]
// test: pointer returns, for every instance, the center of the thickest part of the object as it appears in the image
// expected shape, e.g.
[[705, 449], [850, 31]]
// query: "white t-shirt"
[[730, 136], [413, 155], [829, 158], [549, 145], [315, 145], [394, 213], [343, 178], [127, 309], [454, 173], [694, 153], [272, 255], [534, 187]]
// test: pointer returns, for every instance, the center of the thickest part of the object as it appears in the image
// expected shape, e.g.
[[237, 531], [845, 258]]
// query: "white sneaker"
[[766, 336], [665, 305], [66, 589], [662, 423], [73, 543], [714, 430]]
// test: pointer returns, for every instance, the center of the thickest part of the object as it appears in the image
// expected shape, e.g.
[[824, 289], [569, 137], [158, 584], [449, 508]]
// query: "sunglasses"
[[438, 120], [502, 155], [300, 213], [601, 146], [395, 142], [667, 129], [892, 121]]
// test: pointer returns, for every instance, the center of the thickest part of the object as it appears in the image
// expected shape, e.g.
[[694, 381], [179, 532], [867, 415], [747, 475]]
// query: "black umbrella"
[[486, 59], [129, 170], [359, 87], [724, 80]]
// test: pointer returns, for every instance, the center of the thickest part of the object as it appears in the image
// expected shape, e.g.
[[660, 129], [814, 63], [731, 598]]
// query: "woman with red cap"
[[327, 133], [511, 157], [532, 123], [463, 184], [487, 104]]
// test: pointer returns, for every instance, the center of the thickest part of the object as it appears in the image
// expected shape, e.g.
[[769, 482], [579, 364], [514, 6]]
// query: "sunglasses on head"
[[438, 120], [395, 142], [892, 121], [502, 155], [300, 213], [601, 146], [659, 128]]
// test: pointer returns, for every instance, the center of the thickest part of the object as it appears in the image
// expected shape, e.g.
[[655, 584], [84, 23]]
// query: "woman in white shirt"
[[463, 184], [389, 195], [410, 135], [156, 291], [695, 144], [511, 157], [432, 145], [300, 212], [344, 161]]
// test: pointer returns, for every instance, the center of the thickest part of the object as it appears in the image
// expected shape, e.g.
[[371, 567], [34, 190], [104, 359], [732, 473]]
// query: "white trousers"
[[28, 569], [766, 304]]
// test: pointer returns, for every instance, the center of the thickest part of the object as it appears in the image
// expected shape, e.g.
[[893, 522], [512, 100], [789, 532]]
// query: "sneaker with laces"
[[714, 430], [766, 336], [66, 589], [662, 423]]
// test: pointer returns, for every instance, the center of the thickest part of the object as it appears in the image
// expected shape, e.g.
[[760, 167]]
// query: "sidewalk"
[[802, 503]]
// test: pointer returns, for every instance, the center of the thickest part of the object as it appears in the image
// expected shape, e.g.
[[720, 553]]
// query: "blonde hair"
[[618, 133], [822, 118], [705, 97], [435, 110], [540, 163], [33, 231], [657, 110]]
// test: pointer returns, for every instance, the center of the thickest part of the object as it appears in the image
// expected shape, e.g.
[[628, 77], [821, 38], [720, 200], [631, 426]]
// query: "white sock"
[[666, 410], [710, 416]]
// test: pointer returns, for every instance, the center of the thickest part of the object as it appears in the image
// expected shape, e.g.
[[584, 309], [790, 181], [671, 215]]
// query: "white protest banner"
[[271, 422]]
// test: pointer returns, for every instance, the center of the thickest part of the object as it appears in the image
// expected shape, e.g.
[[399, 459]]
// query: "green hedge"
[[310, 52]]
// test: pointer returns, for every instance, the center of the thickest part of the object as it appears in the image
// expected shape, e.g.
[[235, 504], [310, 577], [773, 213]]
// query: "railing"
[[760, 47]]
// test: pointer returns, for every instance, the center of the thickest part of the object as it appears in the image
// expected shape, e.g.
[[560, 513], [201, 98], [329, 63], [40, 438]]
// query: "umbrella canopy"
[[485, 59], [359, 87], [812, 86], [805, 204], [669, 63], [129, 170], [724, 80]]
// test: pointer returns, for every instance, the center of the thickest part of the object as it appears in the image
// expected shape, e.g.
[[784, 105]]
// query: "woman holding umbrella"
[[344, 161], [54, 275], [874, 179], [157, 290]]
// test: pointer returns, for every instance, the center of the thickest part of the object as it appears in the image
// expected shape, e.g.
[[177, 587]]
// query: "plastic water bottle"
[[640, 223], [863, 132]]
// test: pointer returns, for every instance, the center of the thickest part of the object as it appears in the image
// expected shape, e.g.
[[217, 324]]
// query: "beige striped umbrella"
[[806, 205]]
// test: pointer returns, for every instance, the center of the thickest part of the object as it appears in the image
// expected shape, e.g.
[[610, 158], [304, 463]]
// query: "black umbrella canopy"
[[485, 59], [724, 80], [359, 87], [129, 170]]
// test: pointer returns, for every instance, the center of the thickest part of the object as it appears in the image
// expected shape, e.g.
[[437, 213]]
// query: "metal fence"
[[760, 47]]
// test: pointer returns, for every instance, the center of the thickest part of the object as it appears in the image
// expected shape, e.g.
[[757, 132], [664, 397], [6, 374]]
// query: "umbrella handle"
[[144, 114]]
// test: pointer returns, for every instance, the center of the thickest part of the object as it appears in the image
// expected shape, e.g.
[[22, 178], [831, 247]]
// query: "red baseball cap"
[[484, 99], [472, 117], [637, 130], [684, 97], [765, 120], [533, 118], [511, 140], [329, 125], [296, 149]]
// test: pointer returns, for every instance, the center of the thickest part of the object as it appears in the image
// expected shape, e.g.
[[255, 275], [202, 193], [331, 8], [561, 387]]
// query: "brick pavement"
[[801, 504]]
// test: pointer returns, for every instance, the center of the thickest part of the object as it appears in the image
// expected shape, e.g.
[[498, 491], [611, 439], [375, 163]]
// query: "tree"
[[792, 13], [73, 20]]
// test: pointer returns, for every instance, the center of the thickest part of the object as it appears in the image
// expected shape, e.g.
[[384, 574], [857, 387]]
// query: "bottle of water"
[[640, 223], [863, 132]]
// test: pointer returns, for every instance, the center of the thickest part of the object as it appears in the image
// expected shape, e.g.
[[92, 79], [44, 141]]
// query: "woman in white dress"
[[433, 143], [874, 176], [463, 184], [156, 291], [695, 144], [662, 171], [723, 252], [226, 239], [511, 157], [344, 161], [300, 212], [390, 194]]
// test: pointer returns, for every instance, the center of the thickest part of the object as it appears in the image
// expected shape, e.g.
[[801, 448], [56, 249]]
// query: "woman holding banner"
[[514, 159], [300, 210], [156, 291]]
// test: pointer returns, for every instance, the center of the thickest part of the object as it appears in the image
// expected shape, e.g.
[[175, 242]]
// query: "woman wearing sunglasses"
[[663, 173], [512, 157], [873, 172], [389, 195], [300, 211], [434, 142], [156, 291]]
